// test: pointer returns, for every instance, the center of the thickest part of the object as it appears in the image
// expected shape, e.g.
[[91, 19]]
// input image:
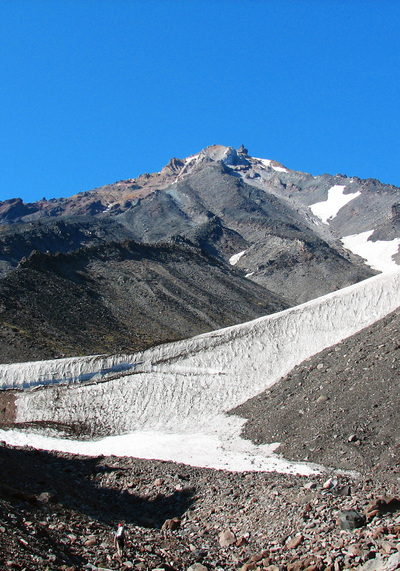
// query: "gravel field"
[[59, 512]]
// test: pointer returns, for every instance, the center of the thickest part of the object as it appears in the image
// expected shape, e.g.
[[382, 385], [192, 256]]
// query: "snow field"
[[204, 450], [178, 394], [267, 163], [378, 254], [233, 260], [329, 208]]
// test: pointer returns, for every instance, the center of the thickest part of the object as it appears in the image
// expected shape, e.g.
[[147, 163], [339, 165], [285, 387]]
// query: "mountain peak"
[[227, 155]]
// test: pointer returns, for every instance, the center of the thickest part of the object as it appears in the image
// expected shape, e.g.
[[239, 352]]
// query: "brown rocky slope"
[[340, 408], [58, 512]]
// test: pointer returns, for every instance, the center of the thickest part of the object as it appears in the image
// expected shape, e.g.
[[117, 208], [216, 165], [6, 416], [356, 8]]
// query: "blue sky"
[[94, 91]]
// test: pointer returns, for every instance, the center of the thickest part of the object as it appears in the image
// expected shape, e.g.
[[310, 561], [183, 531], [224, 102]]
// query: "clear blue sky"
[[94, 91]]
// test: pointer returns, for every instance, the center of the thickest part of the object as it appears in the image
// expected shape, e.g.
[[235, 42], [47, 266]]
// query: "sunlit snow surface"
[[378, 254], [170, 402], [233, 260], [202, 450], [268, 163], [329, 208]]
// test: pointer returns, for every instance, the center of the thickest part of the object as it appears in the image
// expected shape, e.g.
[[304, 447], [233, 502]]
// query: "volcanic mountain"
[[286, 236], [220, 239]]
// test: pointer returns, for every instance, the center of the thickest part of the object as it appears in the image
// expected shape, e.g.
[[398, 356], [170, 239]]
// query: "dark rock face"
[[54, 235], [395, 212], [15, 208], [120, 297]]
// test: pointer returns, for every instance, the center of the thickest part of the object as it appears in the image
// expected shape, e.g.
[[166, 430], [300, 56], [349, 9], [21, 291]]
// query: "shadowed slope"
[[120, 298]]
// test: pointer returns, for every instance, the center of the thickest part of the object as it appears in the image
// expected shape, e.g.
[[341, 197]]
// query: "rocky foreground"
[[59, 512]]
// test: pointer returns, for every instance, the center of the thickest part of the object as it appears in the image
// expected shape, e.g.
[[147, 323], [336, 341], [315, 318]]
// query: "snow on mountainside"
[[329, 208], [379, 254], [170, 402]]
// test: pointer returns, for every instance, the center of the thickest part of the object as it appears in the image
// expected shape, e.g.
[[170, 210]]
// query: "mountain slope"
[[54, 235], [224, 201], [120, 297], [151, 401], [282, 250], [339, 408]]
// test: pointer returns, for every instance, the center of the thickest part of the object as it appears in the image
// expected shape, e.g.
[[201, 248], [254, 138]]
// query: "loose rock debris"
[[59, 512]]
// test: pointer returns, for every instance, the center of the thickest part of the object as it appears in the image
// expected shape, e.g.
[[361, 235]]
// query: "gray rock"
[[46, 497], [171, 524], [350, 519], [226, 538], [381, 564]]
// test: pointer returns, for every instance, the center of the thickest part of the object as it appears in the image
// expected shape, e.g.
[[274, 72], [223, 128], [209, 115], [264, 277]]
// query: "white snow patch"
[[329, 208], [219, 451], [169, 402], [191, 158], [378, 255], [249, 275], [233, 260], [267, 163]]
